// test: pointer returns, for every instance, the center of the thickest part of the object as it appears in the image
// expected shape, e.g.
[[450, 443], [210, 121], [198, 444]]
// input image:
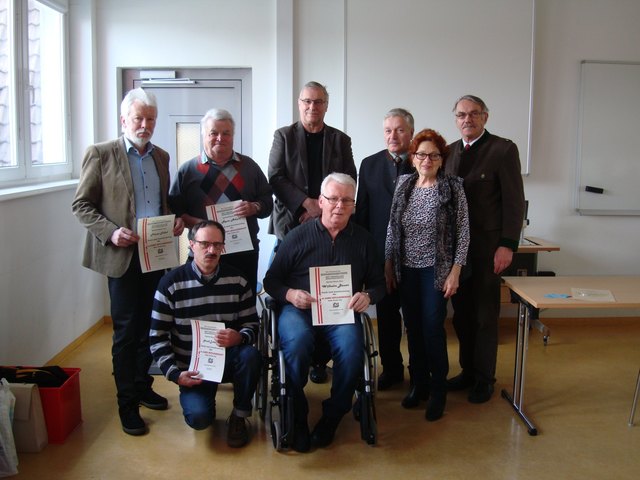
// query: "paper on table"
[[237, 236], [591, 295], [331, 287], [207, 357], [156, 247]]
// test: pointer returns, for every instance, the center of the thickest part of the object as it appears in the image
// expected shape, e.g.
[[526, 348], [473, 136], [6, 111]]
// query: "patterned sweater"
[[183, 295]]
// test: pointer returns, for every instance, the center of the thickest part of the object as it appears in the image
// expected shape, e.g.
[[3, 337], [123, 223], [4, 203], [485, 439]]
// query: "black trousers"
[[131, 303], [390, 332], [476, 309]]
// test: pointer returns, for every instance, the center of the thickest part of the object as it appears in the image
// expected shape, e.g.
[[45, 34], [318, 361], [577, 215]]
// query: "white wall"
[[47, 299], [569, 31]]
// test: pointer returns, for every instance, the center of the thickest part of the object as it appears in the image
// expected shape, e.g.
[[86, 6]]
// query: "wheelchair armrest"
[[270, 302]]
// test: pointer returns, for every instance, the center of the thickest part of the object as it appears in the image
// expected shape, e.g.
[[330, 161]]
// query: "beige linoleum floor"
[[579, 391]]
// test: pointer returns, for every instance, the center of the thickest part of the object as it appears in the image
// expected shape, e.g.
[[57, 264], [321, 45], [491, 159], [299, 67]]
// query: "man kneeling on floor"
[[331, 239], [207, 291]]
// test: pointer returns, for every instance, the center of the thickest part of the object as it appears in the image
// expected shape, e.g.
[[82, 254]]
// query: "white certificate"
[[207, 357], [331, 287], [237, 237], [156, 247]]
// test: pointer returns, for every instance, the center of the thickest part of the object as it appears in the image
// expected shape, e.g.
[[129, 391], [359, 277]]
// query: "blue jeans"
[[424, 309], [297, 340], [242, 368]]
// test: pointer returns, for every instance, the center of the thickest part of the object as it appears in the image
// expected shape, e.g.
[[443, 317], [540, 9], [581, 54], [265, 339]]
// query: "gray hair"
[[402, 113], [147, 98], [341, 178], [472, 98], [318, 86], [217, 114]]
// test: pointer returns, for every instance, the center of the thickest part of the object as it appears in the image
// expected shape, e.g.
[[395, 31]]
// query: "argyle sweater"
[[183, 295]]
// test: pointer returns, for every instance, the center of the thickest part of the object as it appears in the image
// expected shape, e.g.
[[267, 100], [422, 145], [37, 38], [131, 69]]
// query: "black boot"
[[435, 406], [415, 396]]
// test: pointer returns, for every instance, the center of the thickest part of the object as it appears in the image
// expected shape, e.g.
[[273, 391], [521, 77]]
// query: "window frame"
[[25, 172]]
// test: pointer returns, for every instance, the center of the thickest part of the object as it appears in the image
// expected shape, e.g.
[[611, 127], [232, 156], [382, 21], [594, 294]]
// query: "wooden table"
[[531, 294]]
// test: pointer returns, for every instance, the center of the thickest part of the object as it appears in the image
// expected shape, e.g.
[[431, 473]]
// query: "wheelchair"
[[275, 404]]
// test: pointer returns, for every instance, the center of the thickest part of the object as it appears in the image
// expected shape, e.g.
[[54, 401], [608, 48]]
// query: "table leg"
[[522, 343]]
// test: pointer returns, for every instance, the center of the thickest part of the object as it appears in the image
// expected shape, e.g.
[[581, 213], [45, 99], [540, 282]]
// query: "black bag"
[[52, 376]]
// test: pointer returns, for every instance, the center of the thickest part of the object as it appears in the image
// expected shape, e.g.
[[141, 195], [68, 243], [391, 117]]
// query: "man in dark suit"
[[490, 167], [121, 181], [376, 184], [302, 155]]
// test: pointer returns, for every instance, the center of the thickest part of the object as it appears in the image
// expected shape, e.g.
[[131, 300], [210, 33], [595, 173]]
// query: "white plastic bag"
[[8, 455]]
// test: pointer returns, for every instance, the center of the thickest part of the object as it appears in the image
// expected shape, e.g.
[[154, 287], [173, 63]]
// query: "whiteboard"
[[608, 164], [423, 56]]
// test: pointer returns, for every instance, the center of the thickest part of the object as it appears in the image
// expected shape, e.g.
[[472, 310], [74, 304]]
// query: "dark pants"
[[475, 318], [131, 302], [242, 368], [390, 332], [425, 308]]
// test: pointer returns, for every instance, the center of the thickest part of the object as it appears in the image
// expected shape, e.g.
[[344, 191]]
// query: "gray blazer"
[[289, 174], [105, 201]]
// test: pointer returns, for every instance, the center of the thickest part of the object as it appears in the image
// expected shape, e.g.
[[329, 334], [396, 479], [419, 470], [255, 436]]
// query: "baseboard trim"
[[60, 357]]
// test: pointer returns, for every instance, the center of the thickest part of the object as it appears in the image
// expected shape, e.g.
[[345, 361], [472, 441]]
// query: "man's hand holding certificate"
[[238, 238], [331, 287], [156, 247], [207, 357]]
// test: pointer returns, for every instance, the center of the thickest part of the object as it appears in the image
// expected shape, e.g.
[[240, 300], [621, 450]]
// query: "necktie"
[[467, 147]]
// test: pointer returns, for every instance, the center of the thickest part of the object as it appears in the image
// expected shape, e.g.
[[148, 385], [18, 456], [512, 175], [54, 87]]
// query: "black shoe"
[[435, 406], [461, 381], [318, 374], [132, 422], [237, 434], [152, 400], [324, 431], [414, 397], [481, 392], [386, 380], [301, 437]]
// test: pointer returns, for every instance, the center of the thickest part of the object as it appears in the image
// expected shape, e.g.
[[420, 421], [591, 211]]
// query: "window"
[[33, 92]]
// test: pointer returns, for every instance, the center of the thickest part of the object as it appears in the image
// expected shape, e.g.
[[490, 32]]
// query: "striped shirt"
[[184, 294]]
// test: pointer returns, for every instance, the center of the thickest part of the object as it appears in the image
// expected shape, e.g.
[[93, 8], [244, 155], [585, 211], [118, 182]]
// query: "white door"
[[183, 101]]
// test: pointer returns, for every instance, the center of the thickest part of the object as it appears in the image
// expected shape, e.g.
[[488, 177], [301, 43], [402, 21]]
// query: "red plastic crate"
[[61, 407]]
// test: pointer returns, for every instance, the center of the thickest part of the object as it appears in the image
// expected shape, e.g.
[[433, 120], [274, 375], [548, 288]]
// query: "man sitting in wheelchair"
[[331, 239]]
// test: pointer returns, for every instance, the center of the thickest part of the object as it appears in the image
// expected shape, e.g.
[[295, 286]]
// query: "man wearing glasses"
[[331, 239], [206, 290], [302, 155], [490, 167]]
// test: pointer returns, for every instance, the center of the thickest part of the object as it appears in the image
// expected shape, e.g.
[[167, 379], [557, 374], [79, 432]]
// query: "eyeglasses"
[[473, 115], [434, 157], [207, 245], [308, 102], [347, 202]]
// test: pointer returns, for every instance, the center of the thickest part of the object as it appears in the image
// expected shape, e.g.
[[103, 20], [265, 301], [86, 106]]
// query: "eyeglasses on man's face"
[[318, 102], [207, 245], [473, 115], [434, 157], [346, 201]]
